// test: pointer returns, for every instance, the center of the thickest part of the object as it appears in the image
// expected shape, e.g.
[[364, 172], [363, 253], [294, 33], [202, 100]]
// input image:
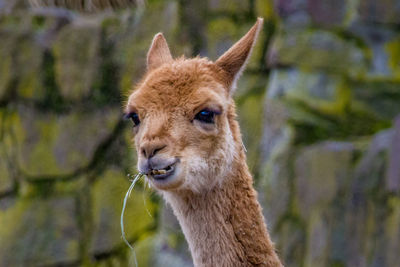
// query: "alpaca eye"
[[206, 116], [134, 117]]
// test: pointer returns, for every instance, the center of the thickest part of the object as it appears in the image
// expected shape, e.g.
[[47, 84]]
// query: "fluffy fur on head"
[[167, 102], [183, 88]]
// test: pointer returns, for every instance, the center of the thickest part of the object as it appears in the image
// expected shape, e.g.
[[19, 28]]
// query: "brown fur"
[[211, 189]]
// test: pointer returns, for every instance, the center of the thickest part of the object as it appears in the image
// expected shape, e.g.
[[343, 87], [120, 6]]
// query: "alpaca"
[[189, 144]]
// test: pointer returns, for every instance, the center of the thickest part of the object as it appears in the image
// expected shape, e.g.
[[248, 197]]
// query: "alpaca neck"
[[225, 226]]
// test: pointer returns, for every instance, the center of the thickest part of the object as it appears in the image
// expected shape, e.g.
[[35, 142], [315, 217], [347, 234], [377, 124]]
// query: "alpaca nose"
[[150, 149]]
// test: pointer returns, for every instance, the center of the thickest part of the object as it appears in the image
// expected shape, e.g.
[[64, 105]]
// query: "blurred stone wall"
[[317, 106], [330, 171]]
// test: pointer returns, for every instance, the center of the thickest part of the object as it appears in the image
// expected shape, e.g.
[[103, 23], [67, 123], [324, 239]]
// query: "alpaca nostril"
[[156, 150], [144, 152], [151, 150]]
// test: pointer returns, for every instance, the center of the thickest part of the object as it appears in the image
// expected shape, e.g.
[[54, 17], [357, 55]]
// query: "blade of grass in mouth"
[[127, 195]]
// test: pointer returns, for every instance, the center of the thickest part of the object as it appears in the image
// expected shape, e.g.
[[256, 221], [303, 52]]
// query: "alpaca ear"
[[158, 53], [235, 59]]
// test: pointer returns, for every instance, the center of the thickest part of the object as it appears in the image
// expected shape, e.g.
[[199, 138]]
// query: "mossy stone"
[[6, 73], [250, 110], [54, 145], [393, 51], [107, 197], [318, 50], [132, 46], [39, 232], [76, 52], [265, 9], [28, 64], [385, 12], [6, 179], [321, 91], [145, 251], [378, 96], [275, 170], [20, 67], [321, 171], [228, 6], [392, 230]]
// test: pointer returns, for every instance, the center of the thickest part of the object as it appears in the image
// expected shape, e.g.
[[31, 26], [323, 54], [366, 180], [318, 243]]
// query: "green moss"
[[39, 159], [105, 87], [328, 93], [265, 9], [222, 33], [6, 166], [145, 250], [38, 22], [250, 113], [34, 234], [76, 60], [316, 49], [5, 69], [380, 97], [353, 123], [393, 50], [28, 62], [107, 196]]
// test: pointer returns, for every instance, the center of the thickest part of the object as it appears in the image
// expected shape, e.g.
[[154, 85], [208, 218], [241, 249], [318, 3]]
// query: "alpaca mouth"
[[162, 174]]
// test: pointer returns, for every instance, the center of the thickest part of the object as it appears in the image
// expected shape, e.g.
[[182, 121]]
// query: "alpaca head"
[[183, 116]]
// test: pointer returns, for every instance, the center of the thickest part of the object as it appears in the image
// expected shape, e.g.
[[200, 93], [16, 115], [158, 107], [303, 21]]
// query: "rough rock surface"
[[318, 105]]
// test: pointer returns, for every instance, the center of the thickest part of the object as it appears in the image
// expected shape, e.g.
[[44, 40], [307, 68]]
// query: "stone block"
[[222, 34], [28, 65], [321, 171], [76, 51], [392, 232], [6, 70], [8, 168], [379, 97], [265, 9], [155, 251], [108, 193], [382, 45], [393, 166], [54, 145], [392, 48], [321, 91], [317, 50], [328, 13], [372, 211], [6, 179], [228, 6], [290, 241], [379, 11], [317, 249], [371, 170], [132, 43], [250, 119], [275, 171], [293, 12], [39, 232], [20, 68], [274, 187]]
